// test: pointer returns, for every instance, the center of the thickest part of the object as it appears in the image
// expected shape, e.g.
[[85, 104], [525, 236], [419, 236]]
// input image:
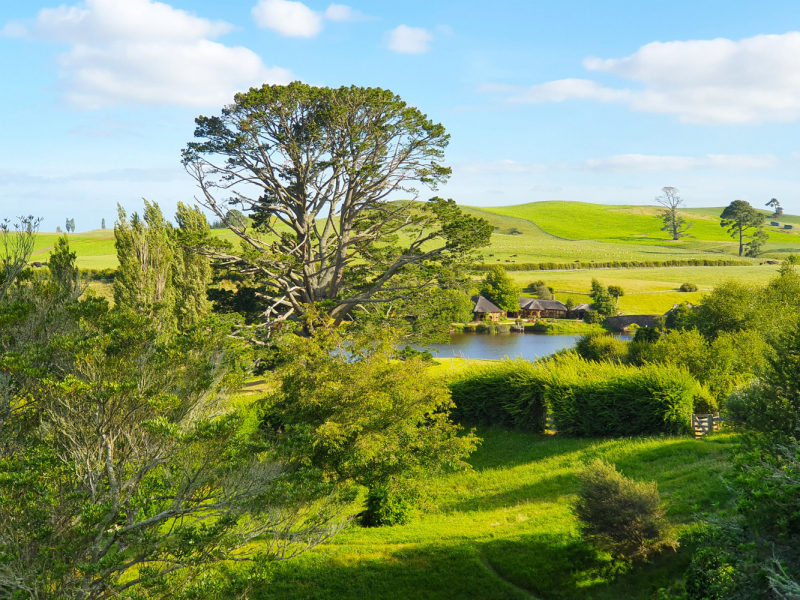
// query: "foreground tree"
[[316, 169], [347, 413], [120, 459], [500, 289], [740, 218], [673, 222]]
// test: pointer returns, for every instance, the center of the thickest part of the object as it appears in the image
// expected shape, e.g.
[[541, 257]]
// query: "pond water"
[[496, 346]]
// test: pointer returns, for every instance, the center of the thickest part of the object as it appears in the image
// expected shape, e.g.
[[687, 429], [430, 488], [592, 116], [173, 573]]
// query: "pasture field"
[[647, 291], [625, 224], [505, 530]]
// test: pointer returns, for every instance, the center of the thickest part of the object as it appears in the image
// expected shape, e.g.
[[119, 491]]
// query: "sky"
[[571, 100]]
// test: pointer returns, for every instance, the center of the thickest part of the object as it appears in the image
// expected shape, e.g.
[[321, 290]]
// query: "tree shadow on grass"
[[547, 567], [555, 567], [549, 489]]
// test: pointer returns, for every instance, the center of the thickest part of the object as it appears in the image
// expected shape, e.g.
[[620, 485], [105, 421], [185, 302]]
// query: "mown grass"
[[505, 530]]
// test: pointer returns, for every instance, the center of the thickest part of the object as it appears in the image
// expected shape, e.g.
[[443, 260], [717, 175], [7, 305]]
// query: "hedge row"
[[486, 327], [584, 398], [98, 274], [618, 264]]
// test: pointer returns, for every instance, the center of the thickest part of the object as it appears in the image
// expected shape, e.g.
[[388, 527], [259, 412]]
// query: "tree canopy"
[[499, 288], [740, 218], [328, 177]]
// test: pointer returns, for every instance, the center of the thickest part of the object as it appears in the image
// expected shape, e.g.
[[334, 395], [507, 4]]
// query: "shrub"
[[509, 393], [486, 327], [619, 514], [646, 334], [470, 328], [711, 575], [503, 328], [591, 316], [389, 505], [601, 346], [688, 287], [603, 399], [585, 398]]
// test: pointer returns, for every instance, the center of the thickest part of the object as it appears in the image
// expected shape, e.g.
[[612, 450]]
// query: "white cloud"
[[343, 13], [292, 19], [752, 80], [643, 162], [145, 52], [409, 40]]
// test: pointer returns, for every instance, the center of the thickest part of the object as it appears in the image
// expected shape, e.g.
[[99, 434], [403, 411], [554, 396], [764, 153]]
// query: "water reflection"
[[497, 346]]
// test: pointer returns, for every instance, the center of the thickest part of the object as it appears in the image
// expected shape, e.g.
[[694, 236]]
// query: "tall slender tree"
[[673, 222], [741, 218]]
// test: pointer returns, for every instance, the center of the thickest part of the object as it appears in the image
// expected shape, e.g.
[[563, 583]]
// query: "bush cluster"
[[688, 287], [585, 398], [98, 274], [619, 514], [619, 264], [599, 346]]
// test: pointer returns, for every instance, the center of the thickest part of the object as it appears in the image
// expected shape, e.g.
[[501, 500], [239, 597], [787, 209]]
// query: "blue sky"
[[587, 101]]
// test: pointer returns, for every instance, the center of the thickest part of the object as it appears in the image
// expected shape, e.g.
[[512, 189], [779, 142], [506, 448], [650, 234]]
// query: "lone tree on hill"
[[740, 217], [674, 223], [499, 288], [776, 206], [317, 169], [602, 301]]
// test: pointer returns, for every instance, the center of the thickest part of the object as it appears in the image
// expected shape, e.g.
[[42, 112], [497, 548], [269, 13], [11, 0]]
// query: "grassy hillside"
[[506, 531], [623, 224]]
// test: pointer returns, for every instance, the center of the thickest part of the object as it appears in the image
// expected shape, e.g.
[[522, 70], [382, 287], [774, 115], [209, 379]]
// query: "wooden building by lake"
[[485, 310]]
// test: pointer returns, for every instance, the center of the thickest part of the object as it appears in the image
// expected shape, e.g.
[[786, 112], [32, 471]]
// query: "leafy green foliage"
[[389, 505], [120, 460], [509, 393], [740, 218], [347, 414], [619, 514], [603, 399], [616, 291], [315, 169], [711, 575], [601, 347], [500, 289], [585, 398], [602, 300], [688, 287]]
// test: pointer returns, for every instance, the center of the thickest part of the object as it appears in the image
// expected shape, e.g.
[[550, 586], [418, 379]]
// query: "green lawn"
[[505, 530]]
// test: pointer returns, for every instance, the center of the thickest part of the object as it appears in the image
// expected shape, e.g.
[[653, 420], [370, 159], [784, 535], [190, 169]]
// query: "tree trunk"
[[741, 244]]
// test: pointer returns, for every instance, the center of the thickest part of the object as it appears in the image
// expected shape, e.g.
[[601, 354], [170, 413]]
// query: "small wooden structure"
[[533, 307], [485, 310], [703, 424], [578, 311]]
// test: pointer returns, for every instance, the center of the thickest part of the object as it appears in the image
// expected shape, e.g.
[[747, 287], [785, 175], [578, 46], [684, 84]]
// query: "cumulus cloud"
[[752, 80], [343, 13], [409, 40], [643, 162], [144, 52], [292, 19]]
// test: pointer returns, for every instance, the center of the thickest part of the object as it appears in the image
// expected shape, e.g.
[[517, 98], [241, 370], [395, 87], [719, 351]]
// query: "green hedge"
[[509, 393], [619, 264], [584, 398], [618, 401]]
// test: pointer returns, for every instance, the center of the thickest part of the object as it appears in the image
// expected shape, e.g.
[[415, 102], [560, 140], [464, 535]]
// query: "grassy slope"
[[625, 224], [505, 530]]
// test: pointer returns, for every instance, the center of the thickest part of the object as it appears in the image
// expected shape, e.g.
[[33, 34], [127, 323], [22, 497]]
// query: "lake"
[[496, 346]]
